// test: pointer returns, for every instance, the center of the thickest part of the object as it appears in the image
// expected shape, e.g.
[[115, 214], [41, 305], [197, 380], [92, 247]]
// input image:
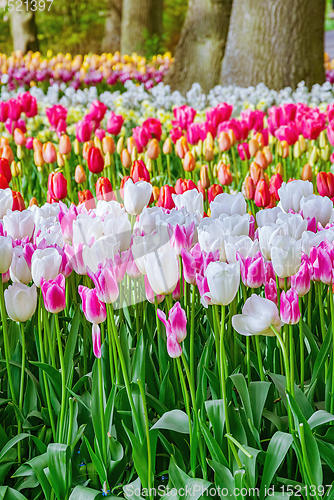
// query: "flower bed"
[[166, 294]]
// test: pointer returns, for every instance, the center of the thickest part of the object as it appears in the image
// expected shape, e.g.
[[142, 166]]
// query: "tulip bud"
[[261, 160], [14, 169], [168, 146], [80, 174], [120, 145], [156, 193], [126, 158], [49, 152], [209, 155], [36, 144], [57, 186], [224, 175], [204, 177], [313, 156], [325, 153], [296, 150], [189, 163], [60, 160], [8, 154], [76, 147], [302, 143], [104, 189], [249, 188], [95, 160], [32, 202], [268, 154], [325, 184], [279, 148], [153, 149], [19, 152], [19, 137], [285, 149], [4, 142], [65, 145], [131, 143], [107, 160], [97, 143], [86, 147], [181, 147], [279, 169], [307, 173], [253, 147], [149, 165], [108, 145], [214, 191], [199, 148], [262, 194], [259, 138], [255, 172], [38, 158], [209, 140], [232, 137], [134, 154], [322, 140], [18, 202]]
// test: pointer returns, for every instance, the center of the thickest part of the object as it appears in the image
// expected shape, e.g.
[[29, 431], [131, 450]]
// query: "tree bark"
[[140, 20], [23, 29], [200, 50], [111, 41], [278, 42]]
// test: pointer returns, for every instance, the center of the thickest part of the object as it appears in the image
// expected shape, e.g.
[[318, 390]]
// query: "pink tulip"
[[288, 133], [193, 133], [181, 237], [14, 109], [289, 307], [153, 127], [322, 268], [176, 329], [61, 128], [141, 135], [252, 270], [96, 339], [270, 290], [83, 130], [192, 264], [243, 150], [75, 258], [115, 123], [275, 119], [3, 111], [100, 133], [105, 282], [254, 119], [173, 347], [203, 288], [29, 143], [54, 114], [150, 293], [184, 116], [301, 281], [97, 110], [120, 264], [54, 294], [66, 218], [93, 308], [219, 114]]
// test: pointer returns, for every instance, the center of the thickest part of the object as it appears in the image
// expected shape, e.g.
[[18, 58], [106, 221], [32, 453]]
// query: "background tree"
[[200, 50], [278, 42], [141, 20], [23, 29], [112, 29]]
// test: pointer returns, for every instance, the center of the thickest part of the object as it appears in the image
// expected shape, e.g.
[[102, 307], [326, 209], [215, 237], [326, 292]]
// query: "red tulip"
[[275, 183], [3, 182], [123, 181], [57, 186], [262, 194], [18, 202], [183, 185], [104, 190], [5, 169], [325, 184], [224, 175], [214, 191], [165, 197], [95, 160], [139, 172], [87, 198]]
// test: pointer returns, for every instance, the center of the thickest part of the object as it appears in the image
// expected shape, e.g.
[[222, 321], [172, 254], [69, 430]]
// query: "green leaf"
[[250, 464], [98, 464], [193, 488], [215, 450], [71, 341], [175, 420], [320, 417], [37, 465], [81, 493], [53, 375], [276, 420], [215, 411], [12, 442], [322, 356], [60, 469], [277, 449], [303, 402], [258, 392], [223, 479], [240, 383], [7, 493], [139, 459], [326, 452]]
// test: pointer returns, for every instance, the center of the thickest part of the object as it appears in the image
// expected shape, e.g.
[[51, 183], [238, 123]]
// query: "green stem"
[[187, 405], [301, 348], [306, 459], [321, 310], [63, 382], [292, 361], [23, 367], [70, 425], [68, 178], [110, 311], [192, 334], [101, 400], [149, 456], [48, 334], [332, 317], [168, 168], [259, 358], [6, 340]]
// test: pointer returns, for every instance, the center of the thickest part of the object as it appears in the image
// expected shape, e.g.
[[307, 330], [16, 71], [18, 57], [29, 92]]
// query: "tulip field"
[[167, 313]]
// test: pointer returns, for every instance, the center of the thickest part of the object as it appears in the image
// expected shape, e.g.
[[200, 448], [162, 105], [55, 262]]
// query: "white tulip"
[[136, 196], [242, 244], [144, 245], [109, 207], [19, 224], [104, 248], [211, 237], [234, 225], [319, 207], [265, 235], [19, 269], [291, 194], [45, 264], [45, 211], [192, 200], [258, 314], [310, 239], [162, 270], [6, 201], [87, 229], [291, 225], [147, 222], [6, 253], [285, 256], [223, 282], [21, 301], [229, 204], [267, 215], [120, 227]]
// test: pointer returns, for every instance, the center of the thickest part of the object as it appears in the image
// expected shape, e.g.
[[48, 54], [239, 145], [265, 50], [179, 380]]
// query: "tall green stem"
[[301, 348], [63, 382], [332, 318], [259, 358], [321, 310], [101, 399], [192, 334], [187, 405], [23, 367], [6, 340], [149, 456]]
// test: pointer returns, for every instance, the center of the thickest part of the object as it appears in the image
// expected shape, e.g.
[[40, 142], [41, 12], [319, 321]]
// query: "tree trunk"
[[111, 41], [140, 20], [23, 29], [278, 42], [200, 50]]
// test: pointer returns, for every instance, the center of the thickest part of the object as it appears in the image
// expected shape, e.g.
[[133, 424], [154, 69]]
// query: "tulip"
[[83, 130], [224, 175], [153, 149], [289, 307], [285, 256], [189, 162], [181, 147], [214, 191], [49, 153], [6, 253], [176, 326], [252, 270], [325, 184], [38, 158], [139, 172], [258, 315], [93, 309], [19, 268], [322, 267], [141, 136], [165, 197], [182, 237], [275, 183], [53, 291], [317, 206], [301, 281], [86, 147], [136, 196], [126, 159], [21, 302], [3, 180], [262, 194], [80, 175], [183, 185], [108, 145], [291, 194], [150, 295], [249, 188], [270, 290], [255, 172], [65, 145], [229, 204], [6, 201], [86, 197], [5, 169], [95, 160], [105, 283], [253, 147], [7, 153], [224, 142], [261, 160], [104, 190], [115, 123], [96, 340], [243, 151], [19, 137], [162, 270], [223, 281], [57, 186], [45, 264], [191, 200]]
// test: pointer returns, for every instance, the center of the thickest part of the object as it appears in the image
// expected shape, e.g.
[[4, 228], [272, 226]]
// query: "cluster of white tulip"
[[41, 242]]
